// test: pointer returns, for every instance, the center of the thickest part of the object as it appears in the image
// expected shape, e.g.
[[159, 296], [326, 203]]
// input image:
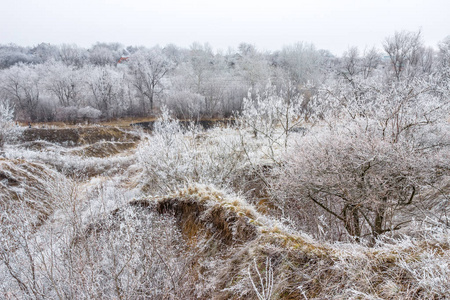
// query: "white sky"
[[269, 25]]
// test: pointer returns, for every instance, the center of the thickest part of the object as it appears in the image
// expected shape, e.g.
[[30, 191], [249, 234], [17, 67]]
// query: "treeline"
[[109, 80]]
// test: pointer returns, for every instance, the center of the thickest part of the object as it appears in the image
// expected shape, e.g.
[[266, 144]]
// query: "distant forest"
[[73, 84]]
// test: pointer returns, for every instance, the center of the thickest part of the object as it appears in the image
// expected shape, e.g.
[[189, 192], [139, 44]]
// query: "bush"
[[362, 184], [8, 130]]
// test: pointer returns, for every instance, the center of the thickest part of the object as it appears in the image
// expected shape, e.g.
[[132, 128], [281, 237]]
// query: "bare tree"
[[108, 90], [377, 158], [72, 55], [22, 84], [64, 82], [366, 184], [404, 50], [147, 70]]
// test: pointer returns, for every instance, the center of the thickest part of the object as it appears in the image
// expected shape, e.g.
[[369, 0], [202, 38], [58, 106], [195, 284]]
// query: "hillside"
[[107, 213]]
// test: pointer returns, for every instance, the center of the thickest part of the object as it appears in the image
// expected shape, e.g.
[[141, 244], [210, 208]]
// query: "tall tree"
[[148, 68], [404, 49], [23, 85]]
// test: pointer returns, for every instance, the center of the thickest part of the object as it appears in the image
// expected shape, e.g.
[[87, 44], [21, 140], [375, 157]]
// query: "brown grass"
[[104, 149], [225, 237], [77, 136], [120, 122], [229, 230], [125, 122], [27, 187]]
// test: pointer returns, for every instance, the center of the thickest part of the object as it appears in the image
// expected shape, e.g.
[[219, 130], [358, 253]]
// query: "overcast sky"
[[269, 25]]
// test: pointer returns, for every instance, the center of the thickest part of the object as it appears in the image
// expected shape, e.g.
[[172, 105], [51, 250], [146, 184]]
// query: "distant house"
[[122, 59]]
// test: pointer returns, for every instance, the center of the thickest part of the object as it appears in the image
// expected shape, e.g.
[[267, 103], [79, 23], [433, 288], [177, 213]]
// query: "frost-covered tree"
[[361, 183], [396, 109], [108, 90], [444, 62], [72, 55], [252, 67], [12, 54], [44, 52], [23, 85], [212, 77], [148, 68], [272, 116], [8, 130], [302, 62], [444, 52], [205, 73], [407, 54], [381, 155], [64, 82], [352, 64], [103, 54]]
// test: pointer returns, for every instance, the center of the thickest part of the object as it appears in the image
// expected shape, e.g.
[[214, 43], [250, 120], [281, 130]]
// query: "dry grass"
[[230, 235], [226, 242], [77, 136], [121, 122], [103, 149], [125, 122], [28, 187]]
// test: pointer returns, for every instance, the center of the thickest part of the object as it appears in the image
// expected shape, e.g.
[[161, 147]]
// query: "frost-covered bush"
[[129, 252], [68, 113], [348, 180], [90, 245], [376, 158], [186, 104], [272, 115], [172, 156], [8, 130], [88, 113]]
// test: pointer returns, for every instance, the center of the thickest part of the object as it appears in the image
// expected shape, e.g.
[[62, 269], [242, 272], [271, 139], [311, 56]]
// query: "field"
[[121, 213]]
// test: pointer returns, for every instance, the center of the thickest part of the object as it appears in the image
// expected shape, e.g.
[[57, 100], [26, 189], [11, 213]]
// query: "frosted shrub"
[[8, 131], [172, 157], [124, 253], [400, 110], [186, 104], [271, 115], [88, 113], [366, 184], [67, 113], [116, 256], [93, 245], [375, 160]]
